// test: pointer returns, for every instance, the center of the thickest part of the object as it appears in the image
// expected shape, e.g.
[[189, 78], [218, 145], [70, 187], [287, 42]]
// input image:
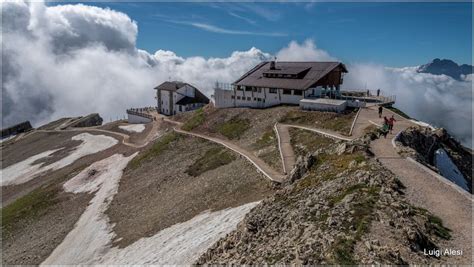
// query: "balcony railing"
[[223, 86], [142, 112]]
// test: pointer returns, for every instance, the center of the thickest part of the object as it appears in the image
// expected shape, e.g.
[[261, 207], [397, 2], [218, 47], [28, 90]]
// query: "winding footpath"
[[261, 166], [284, 145], [424, 187]]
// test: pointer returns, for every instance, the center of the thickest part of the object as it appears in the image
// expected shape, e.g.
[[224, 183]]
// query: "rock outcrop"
[[16, 129], [87, 121], [345, 209], [422, 143]]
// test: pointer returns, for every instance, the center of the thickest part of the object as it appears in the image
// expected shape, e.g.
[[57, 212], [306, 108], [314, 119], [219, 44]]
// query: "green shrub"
[[234, 127], [28, 207], [267, 139], [435, 224], [196, 120], [212, 159]]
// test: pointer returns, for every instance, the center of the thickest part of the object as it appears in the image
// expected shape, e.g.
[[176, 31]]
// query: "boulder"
[[88, 121]]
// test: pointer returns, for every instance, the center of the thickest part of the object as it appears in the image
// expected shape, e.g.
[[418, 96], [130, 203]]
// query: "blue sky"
[[392, 34]]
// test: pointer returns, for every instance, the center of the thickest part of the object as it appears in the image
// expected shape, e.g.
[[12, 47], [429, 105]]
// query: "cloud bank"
[[70, 60]]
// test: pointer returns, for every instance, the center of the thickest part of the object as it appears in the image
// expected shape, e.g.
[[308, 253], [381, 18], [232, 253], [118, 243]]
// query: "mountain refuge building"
[[176, 97], [273, 83]]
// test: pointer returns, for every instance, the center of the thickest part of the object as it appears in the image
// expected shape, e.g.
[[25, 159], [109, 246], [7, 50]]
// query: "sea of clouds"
[[70, 60]]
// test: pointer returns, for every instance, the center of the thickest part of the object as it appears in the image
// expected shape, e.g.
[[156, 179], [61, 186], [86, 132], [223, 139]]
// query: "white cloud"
[[217, 29], [307, 51], [75, 59], [437, 99], [249, 21]]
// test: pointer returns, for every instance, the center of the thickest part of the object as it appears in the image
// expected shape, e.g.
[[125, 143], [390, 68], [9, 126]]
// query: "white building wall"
[[335, 107], [187, 91], [271, 99], [223, 98], [355, 103], [290, 99], [165, 102]]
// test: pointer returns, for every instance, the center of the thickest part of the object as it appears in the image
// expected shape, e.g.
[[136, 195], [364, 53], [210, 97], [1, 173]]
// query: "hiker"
[[385, 127], [385, 130], [380, 111], [391, 122]]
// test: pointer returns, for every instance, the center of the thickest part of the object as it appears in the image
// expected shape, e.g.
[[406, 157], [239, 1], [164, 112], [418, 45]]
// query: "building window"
[[259, 99], [254, 99], [297, 92], [249, 98], [240, 88], [248, 88], [273, 91], [238, 97], [232, 96], [286, 92]]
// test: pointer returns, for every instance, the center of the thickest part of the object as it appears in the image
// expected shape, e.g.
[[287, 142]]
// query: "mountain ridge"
[[447, 67]]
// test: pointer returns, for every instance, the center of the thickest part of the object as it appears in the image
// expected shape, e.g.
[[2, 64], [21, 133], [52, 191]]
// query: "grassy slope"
[[212, 159], [340, 123], [252, 129]]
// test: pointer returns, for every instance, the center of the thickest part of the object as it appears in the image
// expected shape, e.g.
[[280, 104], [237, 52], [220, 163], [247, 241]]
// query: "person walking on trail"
[[391, 122], [385, 127], [380, 111]]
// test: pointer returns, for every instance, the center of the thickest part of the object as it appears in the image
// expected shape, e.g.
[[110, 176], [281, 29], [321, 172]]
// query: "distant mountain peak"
[[446, 67]]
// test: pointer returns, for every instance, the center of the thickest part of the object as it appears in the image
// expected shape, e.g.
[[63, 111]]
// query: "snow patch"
[[7, 138], [136, 128], [90, 242], [24, 171], [91, 235], [181, 243]]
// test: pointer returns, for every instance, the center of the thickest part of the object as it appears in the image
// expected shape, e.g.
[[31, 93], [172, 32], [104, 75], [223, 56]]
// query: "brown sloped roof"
[[311, 73], [198, 98], [170, 86]]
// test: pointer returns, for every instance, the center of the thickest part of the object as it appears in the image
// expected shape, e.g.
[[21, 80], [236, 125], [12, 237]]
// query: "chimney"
[[272, 64]]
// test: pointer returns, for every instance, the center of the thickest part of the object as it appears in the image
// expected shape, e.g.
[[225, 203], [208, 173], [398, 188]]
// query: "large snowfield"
[[90, 242], [135, 128], [26, 170]]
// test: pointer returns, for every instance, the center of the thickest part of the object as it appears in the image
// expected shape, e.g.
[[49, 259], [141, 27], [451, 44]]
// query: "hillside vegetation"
[[347, 210], [253, 129]]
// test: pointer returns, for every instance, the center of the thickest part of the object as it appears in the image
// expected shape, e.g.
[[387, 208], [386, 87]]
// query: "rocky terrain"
[[346, 209], [177, 198], [422, 142]]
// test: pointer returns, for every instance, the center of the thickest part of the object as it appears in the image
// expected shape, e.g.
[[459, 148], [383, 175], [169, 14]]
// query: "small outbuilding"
[[176, 97]]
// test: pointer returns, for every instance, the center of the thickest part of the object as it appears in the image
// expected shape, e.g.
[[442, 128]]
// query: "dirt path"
[[284, 145], [268, 171], [424, 188], [263, 167]]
